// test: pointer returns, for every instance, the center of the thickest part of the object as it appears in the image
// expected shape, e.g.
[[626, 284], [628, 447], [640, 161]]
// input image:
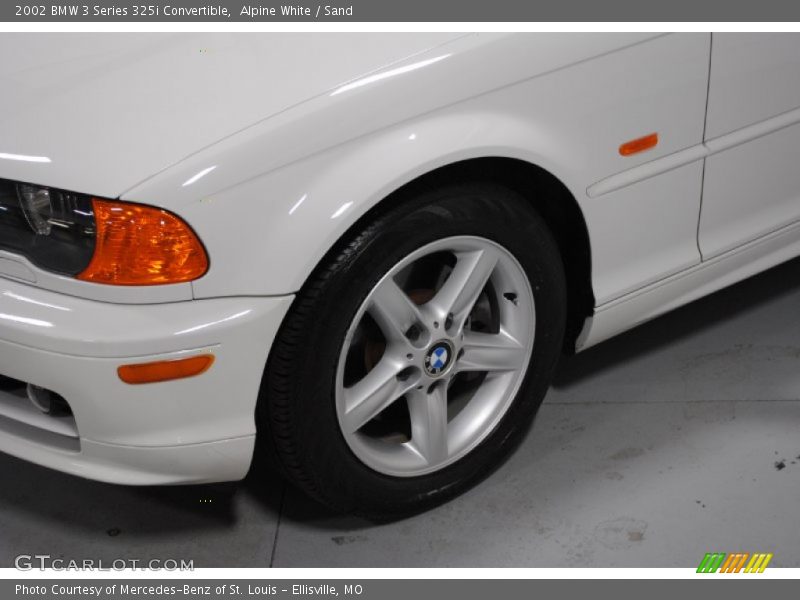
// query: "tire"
[[302, 413]]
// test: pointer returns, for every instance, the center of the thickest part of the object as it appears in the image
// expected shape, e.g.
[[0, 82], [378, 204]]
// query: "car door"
[[752, 176]]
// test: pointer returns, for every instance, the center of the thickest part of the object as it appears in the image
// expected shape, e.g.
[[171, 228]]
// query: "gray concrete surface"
[[678, 438]]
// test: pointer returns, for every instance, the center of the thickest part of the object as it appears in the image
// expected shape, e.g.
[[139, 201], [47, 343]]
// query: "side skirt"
[[649, 302]]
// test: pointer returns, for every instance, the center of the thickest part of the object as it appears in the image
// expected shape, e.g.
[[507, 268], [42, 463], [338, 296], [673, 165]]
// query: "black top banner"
[[400, 11]]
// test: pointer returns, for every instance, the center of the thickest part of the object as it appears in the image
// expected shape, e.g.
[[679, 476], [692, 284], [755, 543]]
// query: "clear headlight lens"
[[36, 206], [54, 229]]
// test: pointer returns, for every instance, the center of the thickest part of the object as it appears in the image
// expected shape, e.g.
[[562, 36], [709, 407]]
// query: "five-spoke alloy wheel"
[[454, 352], [417, 353]]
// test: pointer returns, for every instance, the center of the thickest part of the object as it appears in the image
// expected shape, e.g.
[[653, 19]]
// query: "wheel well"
[[554, 203], [549, 197]]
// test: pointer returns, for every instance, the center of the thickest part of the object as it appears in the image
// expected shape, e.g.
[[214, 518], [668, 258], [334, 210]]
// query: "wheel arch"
[[545, 193]]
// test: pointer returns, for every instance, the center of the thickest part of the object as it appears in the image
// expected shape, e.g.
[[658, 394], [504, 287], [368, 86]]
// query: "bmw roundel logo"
[[438, 358]]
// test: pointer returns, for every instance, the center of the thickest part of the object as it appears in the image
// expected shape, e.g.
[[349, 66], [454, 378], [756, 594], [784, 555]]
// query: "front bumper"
[[194, 430]]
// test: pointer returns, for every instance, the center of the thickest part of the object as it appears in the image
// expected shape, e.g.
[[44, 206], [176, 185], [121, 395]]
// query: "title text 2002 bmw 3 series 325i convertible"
[[368, 251]]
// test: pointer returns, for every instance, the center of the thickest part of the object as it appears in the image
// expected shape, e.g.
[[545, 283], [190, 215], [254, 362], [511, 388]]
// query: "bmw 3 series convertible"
[[360, 256]]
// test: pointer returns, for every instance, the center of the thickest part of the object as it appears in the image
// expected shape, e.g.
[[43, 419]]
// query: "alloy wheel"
[[434, 356]]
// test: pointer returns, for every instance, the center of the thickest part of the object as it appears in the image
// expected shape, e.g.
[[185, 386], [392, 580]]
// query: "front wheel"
[[413, 360]]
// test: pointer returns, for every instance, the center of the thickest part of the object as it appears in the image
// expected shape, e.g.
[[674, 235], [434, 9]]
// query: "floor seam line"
[[277, 529]]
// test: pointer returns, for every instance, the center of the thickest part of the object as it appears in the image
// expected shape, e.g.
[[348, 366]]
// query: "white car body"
[[273, 146]]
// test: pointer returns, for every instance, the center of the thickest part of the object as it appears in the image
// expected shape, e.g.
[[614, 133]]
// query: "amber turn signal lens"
[[639, 145], [142, 245], [165, 370]]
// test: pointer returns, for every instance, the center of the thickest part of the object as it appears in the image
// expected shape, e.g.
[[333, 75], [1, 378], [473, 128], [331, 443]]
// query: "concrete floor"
[[673, 440]]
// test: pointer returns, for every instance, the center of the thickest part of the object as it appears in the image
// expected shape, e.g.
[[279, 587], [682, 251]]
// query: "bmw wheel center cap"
[[438, 358]]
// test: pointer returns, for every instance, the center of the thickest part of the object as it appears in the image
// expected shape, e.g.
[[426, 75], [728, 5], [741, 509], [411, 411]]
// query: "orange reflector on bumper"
[[639, 145], [165, 370]]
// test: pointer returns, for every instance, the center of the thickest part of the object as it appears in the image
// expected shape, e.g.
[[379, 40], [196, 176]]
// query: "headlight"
[[37, 207], [98, 240], [54, 229]]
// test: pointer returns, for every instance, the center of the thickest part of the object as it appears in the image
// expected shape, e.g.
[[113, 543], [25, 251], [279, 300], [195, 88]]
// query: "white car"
[[367, 250]]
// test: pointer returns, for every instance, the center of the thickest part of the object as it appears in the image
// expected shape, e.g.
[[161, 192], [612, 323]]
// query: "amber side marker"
[[165, 370], [639, 145]]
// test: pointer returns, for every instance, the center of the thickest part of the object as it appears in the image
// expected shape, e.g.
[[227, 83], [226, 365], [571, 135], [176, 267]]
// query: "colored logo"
[[740, 562], [438, 358]]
